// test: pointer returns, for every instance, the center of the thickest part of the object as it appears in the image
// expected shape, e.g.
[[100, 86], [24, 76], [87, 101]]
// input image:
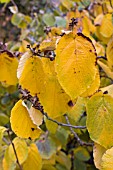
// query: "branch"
[[64, 124], [36, 104], [17, 160], [76, 136]]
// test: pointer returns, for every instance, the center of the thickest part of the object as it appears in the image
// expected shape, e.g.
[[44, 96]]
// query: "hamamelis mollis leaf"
[[34, 160], [75, 63], [21, 122], [21, 150], [8, 68], [31, 74], [54, 99], [109, 53], [106, 68], [100, 119], [107, 160], [98, 152], [94, 86], [36, 116]]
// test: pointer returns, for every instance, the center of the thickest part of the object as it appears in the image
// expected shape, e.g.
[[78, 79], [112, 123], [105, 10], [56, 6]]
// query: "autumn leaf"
[[74, 54], [98, 152], [8, 68], [31, 70], [21, 122], [107, 160], [34, 160], [100, 119], [21, 150]]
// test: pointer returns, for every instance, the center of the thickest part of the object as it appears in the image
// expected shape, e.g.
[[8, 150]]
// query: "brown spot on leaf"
[[70, 103], [32, 129], [105, 92]]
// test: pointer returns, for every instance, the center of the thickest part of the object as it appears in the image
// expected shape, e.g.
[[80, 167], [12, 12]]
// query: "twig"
[[76, 136], [36, 104], [72, 160], [64, 124], [17, 160], [101, 57]]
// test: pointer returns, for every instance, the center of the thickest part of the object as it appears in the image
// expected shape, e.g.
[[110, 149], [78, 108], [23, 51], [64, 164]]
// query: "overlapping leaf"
[[21, 122], [107, 160], [54, 99], [31, 74], [74, 54], [21, 150], [34, 160], [8, 68], [98, 152], [100, 119]]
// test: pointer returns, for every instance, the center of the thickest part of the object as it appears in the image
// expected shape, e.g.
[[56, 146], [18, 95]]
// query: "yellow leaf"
[[107, 160], [78, 109], [109, 53], [21, 122], [36, 116], [8, 164], [100, 50], [32, 77], [98, 152], [51, 126], [21, 150], [94, 86], [67, 4], [108, 90], [8, 68], [74, 54], [106, 28], [104, 40], [22, 62], [54, 99], [34, 160], [48, 45], [100, 119], [106, 69], [98, 19], [23, 48]]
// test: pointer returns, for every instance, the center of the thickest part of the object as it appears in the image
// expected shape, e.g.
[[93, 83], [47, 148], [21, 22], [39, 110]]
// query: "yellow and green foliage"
[[56, 92]]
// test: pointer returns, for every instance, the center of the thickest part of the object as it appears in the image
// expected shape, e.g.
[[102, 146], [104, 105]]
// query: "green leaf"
[[64, 160], [2, 130], [4, 119], [49, 19], [46, 147], [17, 19], [60, 22], [79, 165], [100, 119], [82, 154]]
